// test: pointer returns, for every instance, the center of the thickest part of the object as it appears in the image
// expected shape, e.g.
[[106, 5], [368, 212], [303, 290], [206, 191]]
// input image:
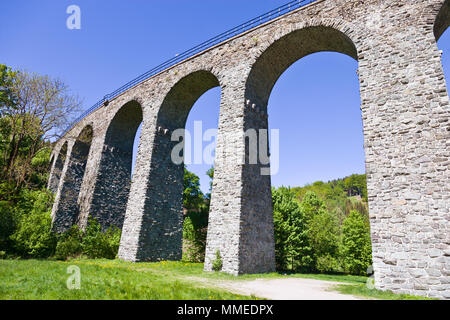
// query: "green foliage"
[[33, 236], [356, 185], [210, 174], [93, 242], [69, 244], [311, 238], [192, 195], [356, 244], [195, 224], [217, 263], [7, 225], [98, 244], [323, 234], [194, 236], [7, 97], [40, 165], [341, 195], [328, 264], [291, 247]]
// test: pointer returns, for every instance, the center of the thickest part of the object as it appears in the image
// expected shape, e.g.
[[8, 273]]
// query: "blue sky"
[[315, 104]]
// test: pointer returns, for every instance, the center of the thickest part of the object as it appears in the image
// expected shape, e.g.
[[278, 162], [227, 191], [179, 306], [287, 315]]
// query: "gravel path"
[[287, 289]]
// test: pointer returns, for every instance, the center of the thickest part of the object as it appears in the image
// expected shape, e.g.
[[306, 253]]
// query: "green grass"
[[118, 280], [102, 280], [361, 290], [196, 269]]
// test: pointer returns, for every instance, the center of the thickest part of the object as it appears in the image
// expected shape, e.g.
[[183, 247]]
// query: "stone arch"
[[442, 21], [159, 219], [180, 99], [67, 211], [288, 49], [113, 181], [257, 242], [58, 165]]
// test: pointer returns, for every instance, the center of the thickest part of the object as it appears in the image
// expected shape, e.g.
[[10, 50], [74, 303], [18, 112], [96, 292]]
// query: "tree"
[[291, 247], [195, 224], [7, 77], [323, 233], [356, 185], [192, 194], [210, 174], [312, 205], [34, 110], [356, 244]]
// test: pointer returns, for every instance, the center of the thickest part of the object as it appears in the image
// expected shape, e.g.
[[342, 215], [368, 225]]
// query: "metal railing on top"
[[271, 15]]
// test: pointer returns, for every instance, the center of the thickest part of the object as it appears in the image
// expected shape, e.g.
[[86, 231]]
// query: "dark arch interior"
[[114, 177], [68, 209], [58, 167], [442, 20], [287, 50]]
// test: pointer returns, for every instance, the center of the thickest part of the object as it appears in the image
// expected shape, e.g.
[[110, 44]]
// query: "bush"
[[34, 237], [113, 235], [97, 244], [195, 228], [328, 264], [69, 244], [7, 226], [217, 263]]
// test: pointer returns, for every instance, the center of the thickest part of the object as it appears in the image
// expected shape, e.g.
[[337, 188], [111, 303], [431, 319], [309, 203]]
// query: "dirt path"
[[287, 289]]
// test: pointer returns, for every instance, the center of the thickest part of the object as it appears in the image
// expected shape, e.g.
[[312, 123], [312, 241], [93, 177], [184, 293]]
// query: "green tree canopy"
[[356, 244]]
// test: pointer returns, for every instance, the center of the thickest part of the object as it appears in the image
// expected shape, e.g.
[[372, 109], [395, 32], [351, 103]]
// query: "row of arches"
[[164, 190]]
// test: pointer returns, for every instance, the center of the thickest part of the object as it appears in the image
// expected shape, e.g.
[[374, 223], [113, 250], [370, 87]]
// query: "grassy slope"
[[115, 279], [33, 279]]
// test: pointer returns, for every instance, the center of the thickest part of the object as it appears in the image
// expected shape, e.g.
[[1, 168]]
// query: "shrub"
[[98, 244], [328, 264], [34, 237], [217, 263], [113, 235], [69, 244], [7, 226], [195, 228]]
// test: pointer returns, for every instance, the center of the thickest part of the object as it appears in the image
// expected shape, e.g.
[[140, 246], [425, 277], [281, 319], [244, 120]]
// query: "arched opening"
[[57, 169], [201, 126], [162, 232], [301, 104], [68, 209], [442, 20], [442, 36], [113, 182]]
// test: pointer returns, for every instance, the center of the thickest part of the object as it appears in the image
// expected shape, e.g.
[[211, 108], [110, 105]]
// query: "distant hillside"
[[340, 195]]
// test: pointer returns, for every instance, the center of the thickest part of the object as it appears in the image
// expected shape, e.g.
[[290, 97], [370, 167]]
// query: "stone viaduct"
[[405, 112]]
